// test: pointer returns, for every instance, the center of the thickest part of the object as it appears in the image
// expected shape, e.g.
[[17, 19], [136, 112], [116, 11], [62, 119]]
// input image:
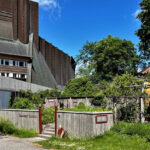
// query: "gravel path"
[[12, 143]]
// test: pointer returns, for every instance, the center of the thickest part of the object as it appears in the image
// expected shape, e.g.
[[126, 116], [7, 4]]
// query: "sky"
[[68, 24]]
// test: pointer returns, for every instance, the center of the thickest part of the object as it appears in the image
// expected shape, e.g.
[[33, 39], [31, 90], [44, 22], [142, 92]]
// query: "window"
[[13, 63], [22, 76], [10, 62], [21, 64], [2, 62], [3, 74], [7, 62], [14, 75]]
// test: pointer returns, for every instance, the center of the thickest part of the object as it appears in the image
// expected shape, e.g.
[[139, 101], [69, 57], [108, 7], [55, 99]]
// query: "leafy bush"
[[128, 113], [79, 87], [22, 103], [48, 115], [27, 99], [142, 130], [6, 127]]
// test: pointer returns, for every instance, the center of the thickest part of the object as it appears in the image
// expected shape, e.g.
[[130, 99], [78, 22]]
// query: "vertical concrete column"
[[29, 67]]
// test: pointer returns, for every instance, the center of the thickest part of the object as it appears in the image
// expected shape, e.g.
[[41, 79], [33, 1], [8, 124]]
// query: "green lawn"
[[110, 141]]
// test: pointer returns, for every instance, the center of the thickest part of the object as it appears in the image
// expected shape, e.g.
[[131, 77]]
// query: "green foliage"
[[142, 130], [6, 127], [100, 100], [48, 115], [81, 107], [22, 103], [129, 112], [27, 99], [79, 87], [124, 85], [144, 32], [109, 57], [109, 141]]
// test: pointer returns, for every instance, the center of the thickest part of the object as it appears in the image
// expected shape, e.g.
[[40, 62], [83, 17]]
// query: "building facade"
[[23, 54]]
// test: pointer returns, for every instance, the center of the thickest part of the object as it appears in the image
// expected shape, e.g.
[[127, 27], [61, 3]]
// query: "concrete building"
[[23, 54]]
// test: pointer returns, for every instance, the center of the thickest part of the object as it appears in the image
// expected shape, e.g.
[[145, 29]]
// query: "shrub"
[[142, 130], [128, 113], [6, 127], [79, 87], [22, 103], [48, 115]]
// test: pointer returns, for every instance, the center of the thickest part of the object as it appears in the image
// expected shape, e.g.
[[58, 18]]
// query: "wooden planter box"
[[84, 124]]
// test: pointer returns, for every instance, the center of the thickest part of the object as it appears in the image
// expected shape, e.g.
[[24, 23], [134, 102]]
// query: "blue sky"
[[68, 24]]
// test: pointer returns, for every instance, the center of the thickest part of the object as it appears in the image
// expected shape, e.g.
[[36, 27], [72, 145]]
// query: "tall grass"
[[6, 127], [142, 130]]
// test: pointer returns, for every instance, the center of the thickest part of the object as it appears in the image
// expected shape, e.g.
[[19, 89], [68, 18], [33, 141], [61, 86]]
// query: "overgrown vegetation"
[[81, 107], [142, 130], [129, 112], [79, 87], [48, 115], [29, 100], [6, 127], [123, 136]]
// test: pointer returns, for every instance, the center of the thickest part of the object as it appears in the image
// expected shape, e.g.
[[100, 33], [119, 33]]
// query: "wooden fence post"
[[40, 120]]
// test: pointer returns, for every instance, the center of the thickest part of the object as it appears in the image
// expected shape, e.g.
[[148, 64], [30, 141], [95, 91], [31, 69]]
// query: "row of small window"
[[14, 75], [16, 63]]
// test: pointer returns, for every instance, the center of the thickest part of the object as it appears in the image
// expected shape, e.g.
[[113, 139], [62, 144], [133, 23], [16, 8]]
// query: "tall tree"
[[109, 57], [144, 31]]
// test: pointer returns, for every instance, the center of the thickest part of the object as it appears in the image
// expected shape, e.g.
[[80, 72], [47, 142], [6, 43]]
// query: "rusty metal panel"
[[6, 5], [47, 54], [61, 59], [59, 68], [50, 55], [34, 22], [56, 64], [15, 19], [23, 21], [67, 68]]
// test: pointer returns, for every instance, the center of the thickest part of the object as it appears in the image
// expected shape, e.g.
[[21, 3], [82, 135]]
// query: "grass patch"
[[6, 127], [25, 133], [81, 107], [109, 141]]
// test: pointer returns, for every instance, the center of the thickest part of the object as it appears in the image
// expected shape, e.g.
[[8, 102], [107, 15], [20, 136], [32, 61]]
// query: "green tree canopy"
[[79, 87], [144, 31], [109, 57]]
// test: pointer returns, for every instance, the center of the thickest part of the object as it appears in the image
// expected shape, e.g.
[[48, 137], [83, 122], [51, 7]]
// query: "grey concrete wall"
[[83, 124], [66, 103], [28, 119], [9, 84]]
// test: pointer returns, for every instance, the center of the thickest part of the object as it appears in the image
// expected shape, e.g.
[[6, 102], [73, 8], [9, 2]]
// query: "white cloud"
[[47, 4], [52, 6], [136, 13]]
